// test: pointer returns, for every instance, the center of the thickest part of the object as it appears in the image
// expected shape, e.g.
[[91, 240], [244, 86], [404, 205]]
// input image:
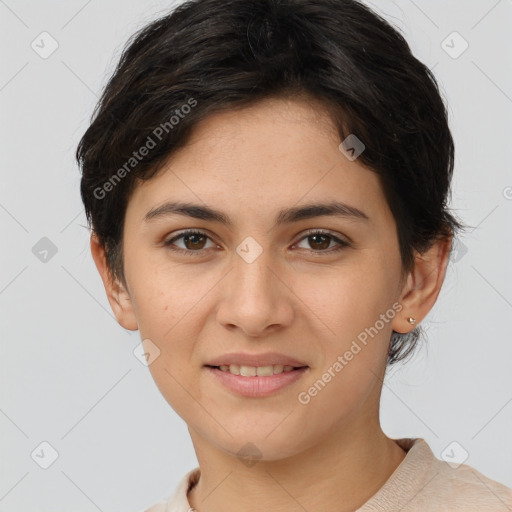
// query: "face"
[[264, 277]]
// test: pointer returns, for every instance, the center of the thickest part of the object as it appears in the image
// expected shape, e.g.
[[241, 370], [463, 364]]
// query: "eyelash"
[[168, 243]]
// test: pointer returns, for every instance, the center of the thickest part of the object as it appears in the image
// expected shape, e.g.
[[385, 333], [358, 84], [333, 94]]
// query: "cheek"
[[352, 296], [354, 348], [169, 305], [353, 307], [167, 316], [162, 294]]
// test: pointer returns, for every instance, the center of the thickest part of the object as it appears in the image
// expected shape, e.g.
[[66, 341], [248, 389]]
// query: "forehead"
[[274, 154]]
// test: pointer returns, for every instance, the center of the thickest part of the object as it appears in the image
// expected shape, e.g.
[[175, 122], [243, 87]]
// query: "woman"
[[267, 183]]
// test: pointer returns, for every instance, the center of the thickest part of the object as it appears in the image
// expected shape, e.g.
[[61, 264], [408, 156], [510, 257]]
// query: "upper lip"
[[263, 359]]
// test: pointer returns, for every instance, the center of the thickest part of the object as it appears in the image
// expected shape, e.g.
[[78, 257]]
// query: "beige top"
[[421, 483]]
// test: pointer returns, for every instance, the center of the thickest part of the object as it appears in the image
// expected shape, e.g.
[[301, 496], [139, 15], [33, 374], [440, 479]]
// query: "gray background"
[[68, 373]]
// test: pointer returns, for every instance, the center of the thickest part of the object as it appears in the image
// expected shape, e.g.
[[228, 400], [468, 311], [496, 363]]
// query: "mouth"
[[256, 371], [256, 381]]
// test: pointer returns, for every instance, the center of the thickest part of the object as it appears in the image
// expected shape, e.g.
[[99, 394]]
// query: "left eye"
[[322, 240], [194, 241]]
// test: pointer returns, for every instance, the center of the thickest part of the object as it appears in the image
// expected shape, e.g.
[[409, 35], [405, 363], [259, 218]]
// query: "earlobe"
[[117, 294], [423, 285]]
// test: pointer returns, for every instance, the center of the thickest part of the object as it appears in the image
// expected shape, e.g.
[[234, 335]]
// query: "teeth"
[[252, 371]]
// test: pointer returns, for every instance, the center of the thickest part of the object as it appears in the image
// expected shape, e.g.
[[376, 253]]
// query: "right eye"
[[195, 240]]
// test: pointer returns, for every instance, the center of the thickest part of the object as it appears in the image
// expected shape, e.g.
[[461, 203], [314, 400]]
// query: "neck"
[[339, 473]]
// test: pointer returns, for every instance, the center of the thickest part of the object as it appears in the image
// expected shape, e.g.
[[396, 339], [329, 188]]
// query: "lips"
[[256, 386], [263, 359]]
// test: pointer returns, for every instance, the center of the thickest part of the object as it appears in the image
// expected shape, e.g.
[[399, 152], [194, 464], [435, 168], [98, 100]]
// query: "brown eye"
[[320, 241], [193, 241]]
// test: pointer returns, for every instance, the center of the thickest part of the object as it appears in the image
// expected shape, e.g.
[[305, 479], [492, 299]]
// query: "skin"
[[298, 297]]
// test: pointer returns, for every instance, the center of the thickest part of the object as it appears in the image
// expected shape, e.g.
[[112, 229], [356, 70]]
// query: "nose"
[[257, 298]]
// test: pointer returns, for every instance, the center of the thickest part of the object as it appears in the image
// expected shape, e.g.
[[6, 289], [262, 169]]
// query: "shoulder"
[[465, 488], [424, 483], [177, 501]]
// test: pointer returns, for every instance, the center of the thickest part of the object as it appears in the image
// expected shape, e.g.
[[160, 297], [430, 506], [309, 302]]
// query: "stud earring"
[[411, 320]]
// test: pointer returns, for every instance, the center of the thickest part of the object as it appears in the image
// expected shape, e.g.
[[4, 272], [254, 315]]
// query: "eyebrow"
[[286, 216]]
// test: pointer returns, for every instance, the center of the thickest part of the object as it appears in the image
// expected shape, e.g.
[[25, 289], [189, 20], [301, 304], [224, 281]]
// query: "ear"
[[117, 294], [423, 285]]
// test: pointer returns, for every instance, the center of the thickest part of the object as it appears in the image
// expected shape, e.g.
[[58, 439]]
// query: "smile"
[[259, 371]]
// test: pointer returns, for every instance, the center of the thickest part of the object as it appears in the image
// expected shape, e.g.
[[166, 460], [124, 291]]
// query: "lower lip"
[[256, 387]]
